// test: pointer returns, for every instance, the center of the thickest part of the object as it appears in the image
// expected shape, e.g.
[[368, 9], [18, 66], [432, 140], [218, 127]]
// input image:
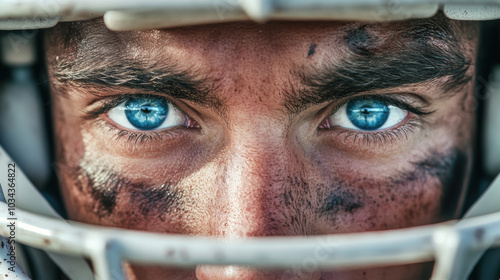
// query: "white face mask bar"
[[107, 248], [448, 243], [133, 15], [19, 193]]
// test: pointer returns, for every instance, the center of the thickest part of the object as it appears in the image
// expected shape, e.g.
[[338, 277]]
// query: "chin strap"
[[28, 198], [486, 204]]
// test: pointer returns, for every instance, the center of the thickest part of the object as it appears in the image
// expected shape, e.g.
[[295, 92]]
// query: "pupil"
[[146, 109]]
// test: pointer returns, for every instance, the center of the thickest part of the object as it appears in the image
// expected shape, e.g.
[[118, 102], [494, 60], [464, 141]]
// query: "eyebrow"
[[134, 74], [421, 61], [416, 61]]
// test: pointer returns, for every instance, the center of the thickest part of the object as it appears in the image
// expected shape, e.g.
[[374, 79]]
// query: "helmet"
[[28, 218]]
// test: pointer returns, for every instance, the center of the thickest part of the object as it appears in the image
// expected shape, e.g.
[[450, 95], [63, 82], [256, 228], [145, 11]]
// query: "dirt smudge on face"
[[109, 188]]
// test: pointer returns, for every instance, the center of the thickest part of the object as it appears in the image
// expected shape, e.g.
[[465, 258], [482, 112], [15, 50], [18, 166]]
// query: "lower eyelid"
[[400, 133], [153, 136]]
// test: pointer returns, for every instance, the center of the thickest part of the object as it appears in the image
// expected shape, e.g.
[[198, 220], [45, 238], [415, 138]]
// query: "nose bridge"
[[252, 168]]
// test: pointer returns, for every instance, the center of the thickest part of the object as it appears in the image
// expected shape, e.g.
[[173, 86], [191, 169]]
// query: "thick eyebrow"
[[422, 60], [133, 74]]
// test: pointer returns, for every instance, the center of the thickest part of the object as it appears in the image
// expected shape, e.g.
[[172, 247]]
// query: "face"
[[280, 129]]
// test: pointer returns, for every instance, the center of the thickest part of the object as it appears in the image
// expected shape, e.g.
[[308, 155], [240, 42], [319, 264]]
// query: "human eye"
[[368, 115], [375, 118], [140, 118], [147, 113]]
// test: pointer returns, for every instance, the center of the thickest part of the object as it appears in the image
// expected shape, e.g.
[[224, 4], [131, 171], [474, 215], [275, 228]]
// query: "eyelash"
[[417, 110], [138, 137], [135, 137], [417, 114], [382, 137], [378, 137]]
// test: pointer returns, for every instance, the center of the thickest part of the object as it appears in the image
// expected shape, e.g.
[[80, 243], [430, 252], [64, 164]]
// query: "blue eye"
[[146, 113], [367, 114]]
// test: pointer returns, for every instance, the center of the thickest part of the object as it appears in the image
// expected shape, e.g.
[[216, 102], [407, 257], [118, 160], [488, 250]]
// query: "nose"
[[243, 273], [249, 201], [248, 196]]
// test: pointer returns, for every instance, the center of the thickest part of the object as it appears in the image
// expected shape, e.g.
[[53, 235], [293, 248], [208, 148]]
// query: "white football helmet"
[[26, 217]]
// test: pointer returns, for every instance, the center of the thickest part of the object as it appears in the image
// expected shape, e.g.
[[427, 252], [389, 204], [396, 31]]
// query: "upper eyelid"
[[111, 102], [420, 110]]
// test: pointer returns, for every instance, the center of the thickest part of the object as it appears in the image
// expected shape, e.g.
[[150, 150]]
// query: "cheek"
[[97, 195], [428, 190], [366, 205], [398, 206]]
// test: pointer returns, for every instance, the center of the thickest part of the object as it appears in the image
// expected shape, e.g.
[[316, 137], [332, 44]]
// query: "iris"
[[367, 114], [146, 113]]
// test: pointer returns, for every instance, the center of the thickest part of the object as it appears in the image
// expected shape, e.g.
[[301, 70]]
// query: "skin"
[[247, 166]]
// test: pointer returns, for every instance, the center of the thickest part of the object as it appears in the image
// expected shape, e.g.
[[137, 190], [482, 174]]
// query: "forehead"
[[235, 40]]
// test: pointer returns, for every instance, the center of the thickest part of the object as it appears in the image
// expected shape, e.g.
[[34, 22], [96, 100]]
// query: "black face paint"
[[451, 169], [106, 186], [156, 200], [303, 202], [312, 50], [341, 200], [106, 198], [360, 41], [102, 184], [455, 185]]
